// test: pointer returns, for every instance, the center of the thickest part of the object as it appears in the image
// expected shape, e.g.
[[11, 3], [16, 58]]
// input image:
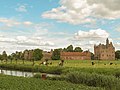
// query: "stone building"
[[26, 54], [86, 55], [47, 55], [104, 52], [30, 55]]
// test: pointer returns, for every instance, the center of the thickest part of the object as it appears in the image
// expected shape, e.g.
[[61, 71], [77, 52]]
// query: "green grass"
[[106, 81], [69, 66], [92, 75], [77, 63], [21, 83]]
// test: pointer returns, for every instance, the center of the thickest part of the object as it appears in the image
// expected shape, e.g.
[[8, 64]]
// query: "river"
[[21, 73]]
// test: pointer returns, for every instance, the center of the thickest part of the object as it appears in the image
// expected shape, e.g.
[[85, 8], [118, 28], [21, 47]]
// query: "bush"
[[29, 68], [58, 78], [38, 75], [96, 80], [117, 74]]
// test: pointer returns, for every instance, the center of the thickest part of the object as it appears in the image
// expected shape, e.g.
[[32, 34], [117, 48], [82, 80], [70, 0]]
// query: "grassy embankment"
[[21, 83]]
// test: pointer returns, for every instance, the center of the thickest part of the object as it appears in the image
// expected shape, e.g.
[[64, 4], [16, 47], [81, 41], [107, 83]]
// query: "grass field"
[[21, 83], [77, 63], [78, 72]]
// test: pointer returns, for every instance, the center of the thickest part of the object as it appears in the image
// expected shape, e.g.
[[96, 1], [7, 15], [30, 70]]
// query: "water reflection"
[[16, 73]]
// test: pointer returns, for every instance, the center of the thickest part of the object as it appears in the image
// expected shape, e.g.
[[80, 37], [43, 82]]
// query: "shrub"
[[38, 75], [96, 80], [29, 68]]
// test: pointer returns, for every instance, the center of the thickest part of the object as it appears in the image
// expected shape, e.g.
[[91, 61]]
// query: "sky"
[[50, 24]]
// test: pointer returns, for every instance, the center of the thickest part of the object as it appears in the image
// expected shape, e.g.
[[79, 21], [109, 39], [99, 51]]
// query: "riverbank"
[[30, 68], [21, 83]]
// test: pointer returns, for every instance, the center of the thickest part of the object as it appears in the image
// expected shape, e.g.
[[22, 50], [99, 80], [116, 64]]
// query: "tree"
[[56, 54], [10, 58], [1, 57], [22, 57], [92, 56], [78, 49], [4, 56], [65, 49], [117, 54], [70, 48], [37, 54]]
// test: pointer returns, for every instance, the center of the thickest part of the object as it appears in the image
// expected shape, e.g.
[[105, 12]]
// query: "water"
[[16, 73], [21, 73]]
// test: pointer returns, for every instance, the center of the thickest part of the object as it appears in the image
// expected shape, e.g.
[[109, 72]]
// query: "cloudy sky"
[[49, 24]]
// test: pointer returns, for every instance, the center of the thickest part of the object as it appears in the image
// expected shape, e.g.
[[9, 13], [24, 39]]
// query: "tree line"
[[36, 54], [32, 55]]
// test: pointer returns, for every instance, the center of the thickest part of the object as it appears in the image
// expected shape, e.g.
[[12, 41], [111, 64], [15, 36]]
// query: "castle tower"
[[107, 42]]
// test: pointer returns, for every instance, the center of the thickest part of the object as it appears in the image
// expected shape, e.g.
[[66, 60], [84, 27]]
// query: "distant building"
[[104, 52], [47, 55], [86, 55], [30, 55], [26, 54]]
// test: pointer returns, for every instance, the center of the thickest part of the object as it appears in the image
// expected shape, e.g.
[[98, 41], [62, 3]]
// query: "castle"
[[104, 52]]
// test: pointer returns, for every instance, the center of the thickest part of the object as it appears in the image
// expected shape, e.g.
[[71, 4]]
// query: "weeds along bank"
[[61, 70], [106, 82], [21, 83], [29, 68]]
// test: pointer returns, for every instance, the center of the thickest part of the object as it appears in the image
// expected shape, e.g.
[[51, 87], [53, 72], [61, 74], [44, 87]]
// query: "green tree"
[[92, 56], [78, 49], [37, 54], [117, 54], [1, 58], [10, 58], [56, 54], [17, 55], [4, 56], [65, 49], [13, 55], [70, 48], [22, 57]]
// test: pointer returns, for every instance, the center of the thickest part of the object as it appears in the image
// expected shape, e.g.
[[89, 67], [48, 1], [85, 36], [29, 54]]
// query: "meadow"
[[103, 74], [73, 63]]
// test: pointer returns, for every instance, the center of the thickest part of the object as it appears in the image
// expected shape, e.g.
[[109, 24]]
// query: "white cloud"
[[36, 37], [27, 23], [23, 42], [21, 8], [34, 41], [9, 22], [117, 45], [87, 39], [91, 34], [82, 11]]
